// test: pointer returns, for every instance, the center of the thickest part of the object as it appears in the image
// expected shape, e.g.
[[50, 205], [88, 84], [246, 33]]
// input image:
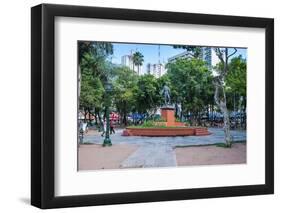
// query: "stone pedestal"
[[168, 113]]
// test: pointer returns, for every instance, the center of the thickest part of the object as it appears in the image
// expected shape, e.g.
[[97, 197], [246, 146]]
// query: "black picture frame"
[[43, 102]]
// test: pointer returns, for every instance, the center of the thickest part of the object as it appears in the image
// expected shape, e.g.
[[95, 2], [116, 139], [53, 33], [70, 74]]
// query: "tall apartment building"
[[156, 69], [208, 55], [127, 60]]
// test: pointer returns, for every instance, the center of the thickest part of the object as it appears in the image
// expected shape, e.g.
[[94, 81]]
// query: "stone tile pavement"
[[158, 151]]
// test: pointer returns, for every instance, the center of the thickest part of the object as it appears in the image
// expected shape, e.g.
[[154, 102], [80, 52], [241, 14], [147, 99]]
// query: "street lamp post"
[[108, 89]]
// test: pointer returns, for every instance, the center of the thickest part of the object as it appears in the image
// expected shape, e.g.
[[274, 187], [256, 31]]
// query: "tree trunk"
[[221, 102], [119, 116], [198, 118], [96, 117], [79, 82], [213, 115], [100, 119], [124, 117], [220, 99]]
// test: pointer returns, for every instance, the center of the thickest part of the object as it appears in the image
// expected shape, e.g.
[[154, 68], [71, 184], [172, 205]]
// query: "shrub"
[[148, 124], [160, 120]]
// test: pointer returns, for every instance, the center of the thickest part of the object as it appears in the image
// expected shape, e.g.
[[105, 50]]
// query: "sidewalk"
[[137, 151]]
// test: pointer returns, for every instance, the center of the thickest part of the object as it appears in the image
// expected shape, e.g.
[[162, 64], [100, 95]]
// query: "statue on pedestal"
[[166, 94]]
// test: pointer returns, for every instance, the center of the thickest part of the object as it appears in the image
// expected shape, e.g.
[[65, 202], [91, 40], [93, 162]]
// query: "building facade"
[[127, 60], [183, 55], [208, 55], [157, 70]]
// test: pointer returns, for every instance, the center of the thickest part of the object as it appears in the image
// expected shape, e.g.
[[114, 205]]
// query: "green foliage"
[[223, 145], [236, 79], [148, 124], [125, 84], [91, 92], [94, 70], [160, 119], [138, 59], [151, 124], [178, 120], [191, 82], [147, 93], [94, 48]]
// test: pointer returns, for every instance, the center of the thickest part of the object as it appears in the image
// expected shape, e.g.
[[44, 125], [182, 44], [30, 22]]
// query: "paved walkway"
[[158, 151], [151, 155]]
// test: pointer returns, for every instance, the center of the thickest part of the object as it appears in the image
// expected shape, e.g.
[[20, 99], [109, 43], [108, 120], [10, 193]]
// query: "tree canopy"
[[191, 82], [147, 94]]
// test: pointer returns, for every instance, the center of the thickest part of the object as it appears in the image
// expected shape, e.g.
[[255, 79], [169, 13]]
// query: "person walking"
[[85, 127], [111, 127], [104, 128]]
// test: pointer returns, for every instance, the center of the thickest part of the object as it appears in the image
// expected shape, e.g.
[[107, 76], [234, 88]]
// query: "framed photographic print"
[[139, 106]]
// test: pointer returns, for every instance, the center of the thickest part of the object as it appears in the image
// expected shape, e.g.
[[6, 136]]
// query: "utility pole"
[[159, 63]]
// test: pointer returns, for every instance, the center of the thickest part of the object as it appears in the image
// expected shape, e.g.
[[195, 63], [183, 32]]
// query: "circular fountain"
[[168, 128]]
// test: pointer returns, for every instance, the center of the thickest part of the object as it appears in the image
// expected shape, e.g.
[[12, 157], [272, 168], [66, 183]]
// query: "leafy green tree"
[[147, 94], [92, 55], [236, 80], [192, 87], [219, 82], [220, 88], [93, 71], [92, 93], [94, 48], [137, 60], [125, 83]]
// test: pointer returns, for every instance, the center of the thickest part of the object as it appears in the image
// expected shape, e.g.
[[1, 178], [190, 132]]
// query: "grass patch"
[[86, 143], [160, 123], [222, 145], [160, 126], [150, 124]]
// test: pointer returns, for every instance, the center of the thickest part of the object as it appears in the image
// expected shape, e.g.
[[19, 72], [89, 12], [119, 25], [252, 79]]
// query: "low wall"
[[166, 132]]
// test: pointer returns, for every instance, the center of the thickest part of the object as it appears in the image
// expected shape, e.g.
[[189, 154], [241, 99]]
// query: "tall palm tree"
[[138, 60]]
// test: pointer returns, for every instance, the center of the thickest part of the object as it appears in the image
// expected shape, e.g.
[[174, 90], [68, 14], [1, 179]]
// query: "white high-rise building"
[[157, 70], [208, 55], [127, 60], [182, 55]]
